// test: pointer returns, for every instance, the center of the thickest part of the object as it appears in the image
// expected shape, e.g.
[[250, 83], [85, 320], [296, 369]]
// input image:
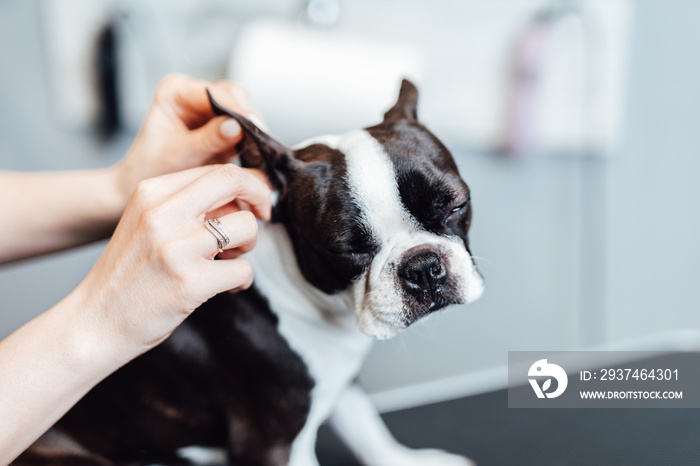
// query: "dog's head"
[[381, 213]]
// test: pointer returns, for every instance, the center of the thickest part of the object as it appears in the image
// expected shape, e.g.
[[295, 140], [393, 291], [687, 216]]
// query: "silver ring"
[[214, 227]]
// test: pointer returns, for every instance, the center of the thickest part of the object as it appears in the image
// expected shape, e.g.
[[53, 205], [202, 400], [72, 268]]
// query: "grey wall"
[[575, 252], [654, 193]]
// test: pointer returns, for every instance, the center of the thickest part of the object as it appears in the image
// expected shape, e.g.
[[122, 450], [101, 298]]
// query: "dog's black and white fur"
[[369, 234]]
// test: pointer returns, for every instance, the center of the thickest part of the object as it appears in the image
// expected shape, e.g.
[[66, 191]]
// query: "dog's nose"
[[423, 273]]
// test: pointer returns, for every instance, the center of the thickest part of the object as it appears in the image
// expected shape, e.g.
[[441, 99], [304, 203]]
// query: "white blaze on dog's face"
[[420, 264], [380, 213]]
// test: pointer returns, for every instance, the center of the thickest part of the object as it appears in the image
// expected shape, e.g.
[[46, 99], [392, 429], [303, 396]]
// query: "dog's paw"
[[426, 457]]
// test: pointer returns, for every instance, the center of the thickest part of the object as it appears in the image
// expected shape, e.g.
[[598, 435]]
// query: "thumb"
[[217, 135]]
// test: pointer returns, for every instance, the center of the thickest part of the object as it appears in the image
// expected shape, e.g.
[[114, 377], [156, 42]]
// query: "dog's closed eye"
[[457, 212]]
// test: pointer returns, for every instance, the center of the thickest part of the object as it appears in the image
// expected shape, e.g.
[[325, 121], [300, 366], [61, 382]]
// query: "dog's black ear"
[[259, 150], [406, 107]]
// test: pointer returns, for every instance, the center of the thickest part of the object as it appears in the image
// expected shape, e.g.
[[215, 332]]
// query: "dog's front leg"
[[303, 449], [360, 427]]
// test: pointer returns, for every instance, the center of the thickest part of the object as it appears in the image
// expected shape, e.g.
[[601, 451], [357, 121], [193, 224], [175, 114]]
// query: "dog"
[[368, 235]]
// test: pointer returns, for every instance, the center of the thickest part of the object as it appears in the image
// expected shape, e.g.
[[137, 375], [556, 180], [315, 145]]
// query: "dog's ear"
[[406, 105], [258, 149]]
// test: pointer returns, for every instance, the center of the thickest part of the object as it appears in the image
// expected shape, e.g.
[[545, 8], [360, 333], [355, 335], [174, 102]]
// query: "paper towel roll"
[[308, 82]]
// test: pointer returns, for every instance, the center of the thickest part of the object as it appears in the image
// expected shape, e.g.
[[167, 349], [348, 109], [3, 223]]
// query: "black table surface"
[[483, 428]]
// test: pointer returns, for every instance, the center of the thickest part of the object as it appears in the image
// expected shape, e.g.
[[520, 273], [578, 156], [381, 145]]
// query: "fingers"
[[225, 209], [229, 275], [217, 135], [222, 185], [210, 138], [241, 228], [261, 175], [188, 98], [214, 191], [153, 191], [232, 96]]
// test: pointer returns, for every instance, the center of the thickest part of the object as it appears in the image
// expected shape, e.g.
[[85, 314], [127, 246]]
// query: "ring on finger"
[[215, 228]]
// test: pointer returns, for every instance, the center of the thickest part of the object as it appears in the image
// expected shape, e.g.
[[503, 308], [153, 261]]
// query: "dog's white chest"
[[320, 328]]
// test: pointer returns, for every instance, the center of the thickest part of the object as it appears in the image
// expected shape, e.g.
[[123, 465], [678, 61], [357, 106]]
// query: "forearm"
[[150, 277], [47, 366], [45, 212]]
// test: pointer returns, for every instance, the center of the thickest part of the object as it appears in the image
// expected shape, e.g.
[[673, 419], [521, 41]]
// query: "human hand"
[[180, 131], [159, 265]]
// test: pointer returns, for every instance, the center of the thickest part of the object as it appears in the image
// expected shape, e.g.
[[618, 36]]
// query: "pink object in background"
[[521, 116]]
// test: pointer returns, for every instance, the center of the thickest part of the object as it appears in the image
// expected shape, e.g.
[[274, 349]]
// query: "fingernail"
[[230, 128]]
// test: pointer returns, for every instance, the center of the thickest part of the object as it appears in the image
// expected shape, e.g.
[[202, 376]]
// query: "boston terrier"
[[369, 235]]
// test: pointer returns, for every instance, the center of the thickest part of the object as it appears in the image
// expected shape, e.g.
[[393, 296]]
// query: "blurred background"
[[574, 123]]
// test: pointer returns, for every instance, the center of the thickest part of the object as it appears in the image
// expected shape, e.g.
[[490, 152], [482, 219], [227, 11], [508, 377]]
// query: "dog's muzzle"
[[422, 276]]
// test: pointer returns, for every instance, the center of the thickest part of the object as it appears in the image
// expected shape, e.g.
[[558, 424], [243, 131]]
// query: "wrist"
[[119, 187], [93, 343]]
